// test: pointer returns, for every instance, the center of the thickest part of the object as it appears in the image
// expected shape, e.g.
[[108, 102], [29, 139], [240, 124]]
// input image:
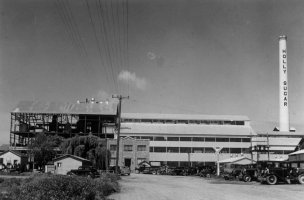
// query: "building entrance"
[[128, 162]]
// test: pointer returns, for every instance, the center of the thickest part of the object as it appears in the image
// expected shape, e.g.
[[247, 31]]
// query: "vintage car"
[[122, 170], [249, 173], [84, 171], [282, 172]]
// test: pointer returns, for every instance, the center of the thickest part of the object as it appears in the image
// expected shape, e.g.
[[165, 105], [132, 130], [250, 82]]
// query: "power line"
[[72, 30]]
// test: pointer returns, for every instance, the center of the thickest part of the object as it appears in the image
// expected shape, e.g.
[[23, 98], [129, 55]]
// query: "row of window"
[[113, 147], [196, 150], [192, 139], [170, 121], [156, 149]]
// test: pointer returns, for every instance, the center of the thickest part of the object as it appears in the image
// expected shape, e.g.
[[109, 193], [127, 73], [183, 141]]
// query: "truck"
[[151, 167]]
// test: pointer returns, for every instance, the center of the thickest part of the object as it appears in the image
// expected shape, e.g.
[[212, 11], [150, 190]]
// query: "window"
[[246, 140], [222, 139], [194, 122], [246, 150], [147, 138], [235, 139], [173, 138], [209, 150], [172, 149], [160, 149], [113, 147], [185, 149], [197, 150], [113, 161], [209, 139], [128, 147], [59, 164], [185, 164], [228, 122], [172, 163], [159, 139], [1, 160], [225, 150], [198, 139], [240, 123], [185, 138], [182, 121], [141, 148], [235, 150], [151, 149], [135, 137], [146, 120]]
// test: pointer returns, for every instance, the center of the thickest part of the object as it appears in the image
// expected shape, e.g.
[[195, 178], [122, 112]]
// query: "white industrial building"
[[180, 140]]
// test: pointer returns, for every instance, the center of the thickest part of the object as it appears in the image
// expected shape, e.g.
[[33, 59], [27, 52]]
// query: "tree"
[[42, 149], [90, 147]]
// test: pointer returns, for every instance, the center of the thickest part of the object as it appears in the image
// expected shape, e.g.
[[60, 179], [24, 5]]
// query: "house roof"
[[183, 116], [14, 152], [109, 108], [235, 160], [185, 129], [71, 156], [297, 152]]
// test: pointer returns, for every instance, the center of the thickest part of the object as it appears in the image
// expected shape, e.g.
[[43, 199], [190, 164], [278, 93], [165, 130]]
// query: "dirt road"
[[157, 187]]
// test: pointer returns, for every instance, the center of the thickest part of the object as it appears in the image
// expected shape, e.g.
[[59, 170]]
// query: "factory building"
[[183, 140]]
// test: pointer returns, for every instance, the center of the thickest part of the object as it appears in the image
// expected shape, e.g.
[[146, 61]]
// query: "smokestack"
[[284, 113]]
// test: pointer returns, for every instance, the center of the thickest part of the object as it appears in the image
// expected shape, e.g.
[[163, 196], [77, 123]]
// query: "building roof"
[[71, 156], [66, 108], [281, 134], [184, 116], [185, 129], [297, 152], [14, 152], [236, 160]]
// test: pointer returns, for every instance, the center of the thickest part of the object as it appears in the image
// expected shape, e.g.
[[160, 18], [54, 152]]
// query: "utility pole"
[[120, 98]]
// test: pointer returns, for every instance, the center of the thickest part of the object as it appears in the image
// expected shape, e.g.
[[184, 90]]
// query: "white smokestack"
[[284, 113]]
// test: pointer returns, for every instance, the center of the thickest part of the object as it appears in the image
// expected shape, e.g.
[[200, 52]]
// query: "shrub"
[[60, 187], [107, 184]]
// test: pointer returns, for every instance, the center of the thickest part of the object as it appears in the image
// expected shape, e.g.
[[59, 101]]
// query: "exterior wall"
[[10, 158], [134, 155], [64, 165], [196, 157], [297, 157]]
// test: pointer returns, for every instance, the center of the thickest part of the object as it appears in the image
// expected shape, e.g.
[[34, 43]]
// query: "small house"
[[13, 159], [67, 162]]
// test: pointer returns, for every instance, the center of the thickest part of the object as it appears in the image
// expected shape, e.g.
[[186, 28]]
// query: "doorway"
[[128, 162]]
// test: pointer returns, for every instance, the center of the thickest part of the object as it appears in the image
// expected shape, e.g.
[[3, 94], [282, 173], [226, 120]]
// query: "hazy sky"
[[185, 56]]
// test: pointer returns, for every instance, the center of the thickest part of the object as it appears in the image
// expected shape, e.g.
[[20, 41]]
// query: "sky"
[[217, 57]]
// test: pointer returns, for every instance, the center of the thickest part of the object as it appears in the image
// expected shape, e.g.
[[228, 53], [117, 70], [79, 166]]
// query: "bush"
[[107, 184], [60, 187]]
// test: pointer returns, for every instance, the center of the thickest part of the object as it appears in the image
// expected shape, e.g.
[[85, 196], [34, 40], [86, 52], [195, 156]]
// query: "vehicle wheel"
[[154, 172], [301, 178], [208, 175], [271, 179], [247, 178]]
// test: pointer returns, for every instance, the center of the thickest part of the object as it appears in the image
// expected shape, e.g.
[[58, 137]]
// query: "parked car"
[[249, 173], [207, 171], [281, 172], [122, 170], [84, 171]]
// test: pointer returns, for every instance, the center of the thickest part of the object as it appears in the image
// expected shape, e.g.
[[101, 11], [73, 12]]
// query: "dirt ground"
[[159, 187]]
